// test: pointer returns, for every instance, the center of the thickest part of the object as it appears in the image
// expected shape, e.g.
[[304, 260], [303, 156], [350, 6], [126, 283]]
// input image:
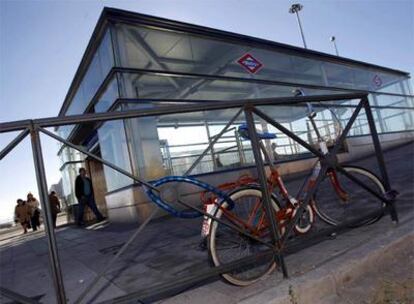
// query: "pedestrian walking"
[[22, 214], [34, 206], [84, 194], [54, 206]]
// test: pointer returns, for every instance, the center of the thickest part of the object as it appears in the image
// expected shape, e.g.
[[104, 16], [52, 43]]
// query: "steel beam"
[[380, 158], [249, 80], [175, 109], [286, 131], [13, 143], [266, 197], [348, 126], [49, 229]]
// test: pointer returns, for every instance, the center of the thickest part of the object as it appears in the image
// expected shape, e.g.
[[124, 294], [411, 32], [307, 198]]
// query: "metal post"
[[294, 9], [301, 30], [380, 158], [240, 148], [333, 40], [211, 145], [382, 123], [44, 201], [263, 182], [293, 144]]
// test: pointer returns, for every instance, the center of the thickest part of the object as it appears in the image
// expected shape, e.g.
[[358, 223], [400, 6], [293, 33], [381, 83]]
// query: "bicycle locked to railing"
[[245, 240], [240, 205]]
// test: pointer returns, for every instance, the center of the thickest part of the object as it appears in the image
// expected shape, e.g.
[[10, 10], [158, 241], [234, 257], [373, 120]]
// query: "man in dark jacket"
[[84, 194], [54, 206]]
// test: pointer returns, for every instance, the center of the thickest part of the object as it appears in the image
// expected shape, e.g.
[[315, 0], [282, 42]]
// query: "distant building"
[[58, 187], [135, 61]]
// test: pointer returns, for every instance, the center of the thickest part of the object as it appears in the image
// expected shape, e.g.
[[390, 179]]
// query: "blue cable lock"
[[189, 180]]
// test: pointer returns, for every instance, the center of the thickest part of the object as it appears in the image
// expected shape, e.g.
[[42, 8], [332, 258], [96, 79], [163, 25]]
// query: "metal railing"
[[277, 248]]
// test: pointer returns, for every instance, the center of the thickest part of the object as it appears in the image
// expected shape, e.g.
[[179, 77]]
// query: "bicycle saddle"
[[243, 131]]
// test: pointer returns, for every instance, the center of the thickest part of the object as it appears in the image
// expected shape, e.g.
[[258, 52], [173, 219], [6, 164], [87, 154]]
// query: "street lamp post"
[[294, 9], [333, 40]]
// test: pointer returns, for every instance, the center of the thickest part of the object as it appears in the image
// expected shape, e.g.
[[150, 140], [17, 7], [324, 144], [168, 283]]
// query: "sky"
[[42, 43]]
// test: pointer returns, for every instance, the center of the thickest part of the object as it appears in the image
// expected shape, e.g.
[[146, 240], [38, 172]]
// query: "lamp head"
[[295, 8]]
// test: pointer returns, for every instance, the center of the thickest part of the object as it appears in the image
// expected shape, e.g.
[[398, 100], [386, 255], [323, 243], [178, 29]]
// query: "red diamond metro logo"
[[250, 63]]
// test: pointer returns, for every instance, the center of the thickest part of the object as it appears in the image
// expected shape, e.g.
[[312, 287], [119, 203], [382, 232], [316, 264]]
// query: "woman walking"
[[22, 214], [35, 216]]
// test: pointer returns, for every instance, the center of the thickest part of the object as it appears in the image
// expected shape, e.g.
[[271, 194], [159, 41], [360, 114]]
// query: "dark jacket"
[[54, 204], [79, 190]]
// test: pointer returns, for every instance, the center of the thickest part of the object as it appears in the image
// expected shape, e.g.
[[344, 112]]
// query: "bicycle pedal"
[[392, 194], [333, 235]]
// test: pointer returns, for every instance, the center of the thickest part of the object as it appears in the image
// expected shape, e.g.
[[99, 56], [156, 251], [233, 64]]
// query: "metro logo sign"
[[251, 64], [377, 81]]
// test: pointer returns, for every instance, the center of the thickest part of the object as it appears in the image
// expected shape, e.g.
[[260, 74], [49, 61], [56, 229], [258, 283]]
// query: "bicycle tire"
[[240, 277], [358, 210]]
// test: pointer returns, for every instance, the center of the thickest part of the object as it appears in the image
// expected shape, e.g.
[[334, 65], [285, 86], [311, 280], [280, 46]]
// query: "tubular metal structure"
[[44, 201], [13, 143], [263, 183], [277, 248]]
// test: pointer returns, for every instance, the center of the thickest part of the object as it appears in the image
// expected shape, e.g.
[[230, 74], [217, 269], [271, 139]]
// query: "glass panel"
[[106, 55], [158, 49], [184, 137], [69, 173], [64, 131], [99, 67], [162, 86], [113, 145], [396, 119], [392, 101], [92, 80], [108, 97], [78, 103], [71, 161], [384, 82], [339, 75]]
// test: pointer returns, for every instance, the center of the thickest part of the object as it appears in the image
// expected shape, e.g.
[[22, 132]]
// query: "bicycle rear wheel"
[[334, 210], [227, 245]]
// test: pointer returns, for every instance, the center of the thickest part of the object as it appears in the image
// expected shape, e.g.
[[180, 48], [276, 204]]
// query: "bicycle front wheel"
[[334, 209], [227, 245]]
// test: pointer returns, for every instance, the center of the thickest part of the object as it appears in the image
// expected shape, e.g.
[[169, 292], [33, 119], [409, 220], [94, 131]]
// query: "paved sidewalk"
[[168, 249]]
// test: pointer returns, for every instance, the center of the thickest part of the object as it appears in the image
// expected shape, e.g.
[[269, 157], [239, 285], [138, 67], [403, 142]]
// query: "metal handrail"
[[248, 106]]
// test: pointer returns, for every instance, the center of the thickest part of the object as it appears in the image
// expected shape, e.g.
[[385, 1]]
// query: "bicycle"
[[240, 205], [248, 211]]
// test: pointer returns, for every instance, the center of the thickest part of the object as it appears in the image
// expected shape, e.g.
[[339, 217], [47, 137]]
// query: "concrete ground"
[[364, 265]]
